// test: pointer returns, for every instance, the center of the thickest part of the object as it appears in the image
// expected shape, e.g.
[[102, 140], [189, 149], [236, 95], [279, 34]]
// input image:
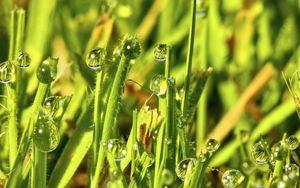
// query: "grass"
[[149, 94]]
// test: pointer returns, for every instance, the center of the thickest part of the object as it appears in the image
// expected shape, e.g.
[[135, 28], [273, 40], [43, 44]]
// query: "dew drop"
[[212, 145], [131, 47], [115, 174], [292, 170], [45, 134], [182, 167], [201, 8], [160, 52], [23, 60], [96, 58], [292, 142], [277, 152], [167, 177], [158, 85], [54, 105], [202, 158], [47, 70], [117, 148], [259, 154], [7, 71], [232, 178]]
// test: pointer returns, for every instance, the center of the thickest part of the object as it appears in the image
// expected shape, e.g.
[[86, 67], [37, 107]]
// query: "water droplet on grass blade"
[[259, 154], [212, 145], [117, 148], [158, 85], [182, 167], [131, 47], [96, 58], [45, 134], [167, 177], [23, 60], [7, 71], [201, 8], [232, 178], [292, 142], [160, 52], [202, 158], [47, 70], [292, 170]]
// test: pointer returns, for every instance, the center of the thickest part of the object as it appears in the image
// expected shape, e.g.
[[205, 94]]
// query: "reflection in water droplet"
[[47, 70], [158, 85], [212, 145], [160, 52], [292, 170], [182, 167], [45, 134], [96, 58], [7, 72], [258, 154], [23, 60], [232, 178], [292, 142], [117, 148]]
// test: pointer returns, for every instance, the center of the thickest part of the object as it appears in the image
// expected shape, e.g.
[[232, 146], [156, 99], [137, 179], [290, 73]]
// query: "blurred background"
[[238, 38]]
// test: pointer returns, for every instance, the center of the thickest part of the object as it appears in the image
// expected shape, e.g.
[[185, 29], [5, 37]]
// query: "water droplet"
[[182, 167], [277, 152], [115, 174], [117, 54], [292, 170], [54, 105], [23, 60], [96, 58], [117, 148], [201, 8], [258, 179], [158, 85], [202, 158], [7, 72], [47, 70], [279, 184], [292, 142], [248, 167], [167, 177], [45, 134], [259, 154], [212, 145], [232, 178], [131, 47], [155, 134], [160, 52]]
